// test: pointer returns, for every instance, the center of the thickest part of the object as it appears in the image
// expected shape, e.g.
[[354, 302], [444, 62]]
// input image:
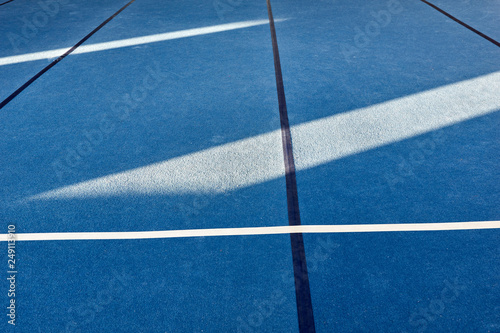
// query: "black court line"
[[53, 63], [463, 23], [6, 2], [302, 289]]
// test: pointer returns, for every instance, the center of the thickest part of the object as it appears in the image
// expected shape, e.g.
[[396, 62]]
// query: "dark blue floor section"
[[207, 96], [405, 282], [416, 51], [29, 27], [212, 90], [237, 284], [483, 15], [448, 175], [344, 55]]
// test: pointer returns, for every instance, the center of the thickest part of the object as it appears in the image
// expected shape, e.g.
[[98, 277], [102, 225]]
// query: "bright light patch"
[[259, 159]]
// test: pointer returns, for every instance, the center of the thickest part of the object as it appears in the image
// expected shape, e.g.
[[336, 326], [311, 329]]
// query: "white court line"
[[133, 41], [305, 229]]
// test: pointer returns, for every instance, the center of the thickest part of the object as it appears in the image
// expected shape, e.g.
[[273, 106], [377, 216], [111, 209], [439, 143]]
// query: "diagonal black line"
[[55, 62], [463, 23], [302, 289], [6, 2]]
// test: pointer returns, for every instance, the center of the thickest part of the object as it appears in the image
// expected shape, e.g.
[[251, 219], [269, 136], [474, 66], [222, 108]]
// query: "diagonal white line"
[[305, 229], [133, 41]]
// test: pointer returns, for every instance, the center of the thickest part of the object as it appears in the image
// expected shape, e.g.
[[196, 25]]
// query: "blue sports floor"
[[139, 142]]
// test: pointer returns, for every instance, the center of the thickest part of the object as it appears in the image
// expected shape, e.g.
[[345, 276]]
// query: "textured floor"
[[151, 125]]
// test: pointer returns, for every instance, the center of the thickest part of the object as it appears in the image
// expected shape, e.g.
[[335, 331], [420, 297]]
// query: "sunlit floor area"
[[250, 166]]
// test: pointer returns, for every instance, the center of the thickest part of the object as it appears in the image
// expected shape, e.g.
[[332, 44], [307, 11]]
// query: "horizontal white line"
[[132, 41], [305, 229]]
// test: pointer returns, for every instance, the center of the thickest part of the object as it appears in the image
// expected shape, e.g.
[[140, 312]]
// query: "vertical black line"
[[55, 62], [302, 289], [462, 23]]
